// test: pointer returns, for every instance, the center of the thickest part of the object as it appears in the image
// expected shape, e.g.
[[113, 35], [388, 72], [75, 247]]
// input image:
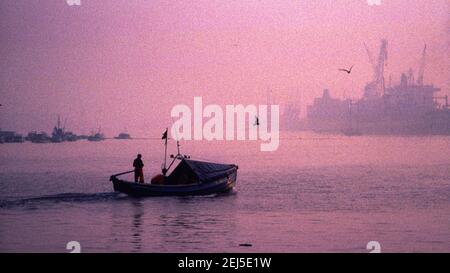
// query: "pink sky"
[[125, 64]]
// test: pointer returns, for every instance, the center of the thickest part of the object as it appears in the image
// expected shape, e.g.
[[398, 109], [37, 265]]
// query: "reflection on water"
[[193, 225], [137, 226]]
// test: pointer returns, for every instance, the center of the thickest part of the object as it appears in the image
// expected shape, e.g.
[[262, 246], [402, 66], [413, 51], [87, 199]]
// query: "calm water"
[[315, 194]]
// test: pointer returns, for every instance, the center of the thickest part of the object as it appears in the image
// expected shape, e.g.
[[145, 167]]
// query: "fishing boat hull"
[[220, 185]]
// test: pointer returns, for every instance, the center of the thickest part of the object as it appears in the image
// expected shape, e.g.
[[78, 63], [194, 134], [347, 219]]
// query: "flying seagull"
[[256, 121], [346, 70]]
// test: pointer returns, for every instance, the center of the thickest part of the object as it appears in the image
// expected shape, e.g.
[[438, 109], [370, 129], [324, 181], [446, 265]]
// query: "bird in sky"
[[346, 70], [256, 121]]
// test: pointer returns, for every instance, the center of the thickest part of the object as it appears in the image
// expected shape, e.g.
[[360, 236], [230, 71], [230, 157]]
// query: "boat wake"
[[31, 202], [63, 197]]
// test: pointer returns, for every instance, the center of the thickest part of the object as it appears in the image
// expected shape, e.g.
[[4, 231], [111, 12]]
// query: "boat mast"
[[174, 158], [164, 170]]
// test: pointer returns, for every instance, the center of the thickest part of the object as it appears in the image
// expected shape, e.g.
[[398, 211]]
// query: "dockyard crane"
[[378, 68], [422, 66], [369, 54], [411, 76], [382, 62]]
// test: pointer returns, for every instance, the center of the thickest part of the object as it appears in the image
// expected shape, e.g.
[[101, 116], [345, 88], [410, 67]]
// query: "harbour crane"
[[422, 66], [377, 86]]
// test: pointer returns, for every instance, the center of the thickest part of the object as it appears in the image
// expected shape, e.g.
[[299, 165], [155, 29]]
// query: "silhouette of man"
[[138, 172]]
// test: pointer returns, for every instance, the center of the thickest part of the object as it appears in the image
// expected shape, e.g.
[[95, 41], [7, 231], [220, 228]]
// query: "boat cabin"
[[192, 171]]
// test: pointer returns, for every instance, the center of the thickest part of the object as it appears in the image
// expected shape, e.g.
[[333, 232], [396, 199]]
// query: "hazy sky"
[[125, 63]]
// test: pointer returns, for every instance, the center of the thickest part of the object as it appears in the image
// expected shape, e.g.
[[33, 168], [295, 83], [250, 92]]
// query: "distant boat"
[[82, 137], [123, 136], [69, 136], [59, 133], [10, 137], [189, 177], [96, 137], [36, 137]]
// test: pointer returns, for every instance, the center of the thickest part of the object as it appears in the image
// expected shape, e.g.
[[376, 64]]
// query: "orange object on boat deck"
[[158, 179]]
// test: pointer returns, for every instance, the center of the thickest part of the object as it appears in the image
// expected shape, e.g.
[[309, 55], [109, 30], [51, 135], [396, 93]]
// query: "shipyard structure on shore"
[[409, 107]]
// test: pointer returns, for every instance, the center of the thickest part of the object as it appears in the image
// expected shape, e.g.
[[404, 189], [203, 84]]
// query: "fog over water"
[[123, 65]]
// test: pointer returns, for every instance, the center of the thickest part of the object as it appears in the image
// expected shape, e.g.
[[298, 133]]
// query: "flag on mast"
[[164, 136]]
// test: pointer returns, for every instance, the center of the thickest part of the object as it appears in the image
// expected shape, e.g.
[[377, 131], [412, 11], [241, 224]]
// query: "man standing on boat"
[[138, 169]]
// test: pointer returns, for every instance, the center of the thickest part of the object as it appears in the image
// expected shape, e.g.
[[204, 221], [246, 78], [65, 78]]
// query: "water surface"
[[317, 193]]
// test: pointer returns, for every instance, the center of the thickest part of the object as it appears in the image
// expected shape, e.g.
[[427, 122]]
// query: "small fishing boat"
[[189, 177], [96, 137], [40, 137], [123, 136]]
